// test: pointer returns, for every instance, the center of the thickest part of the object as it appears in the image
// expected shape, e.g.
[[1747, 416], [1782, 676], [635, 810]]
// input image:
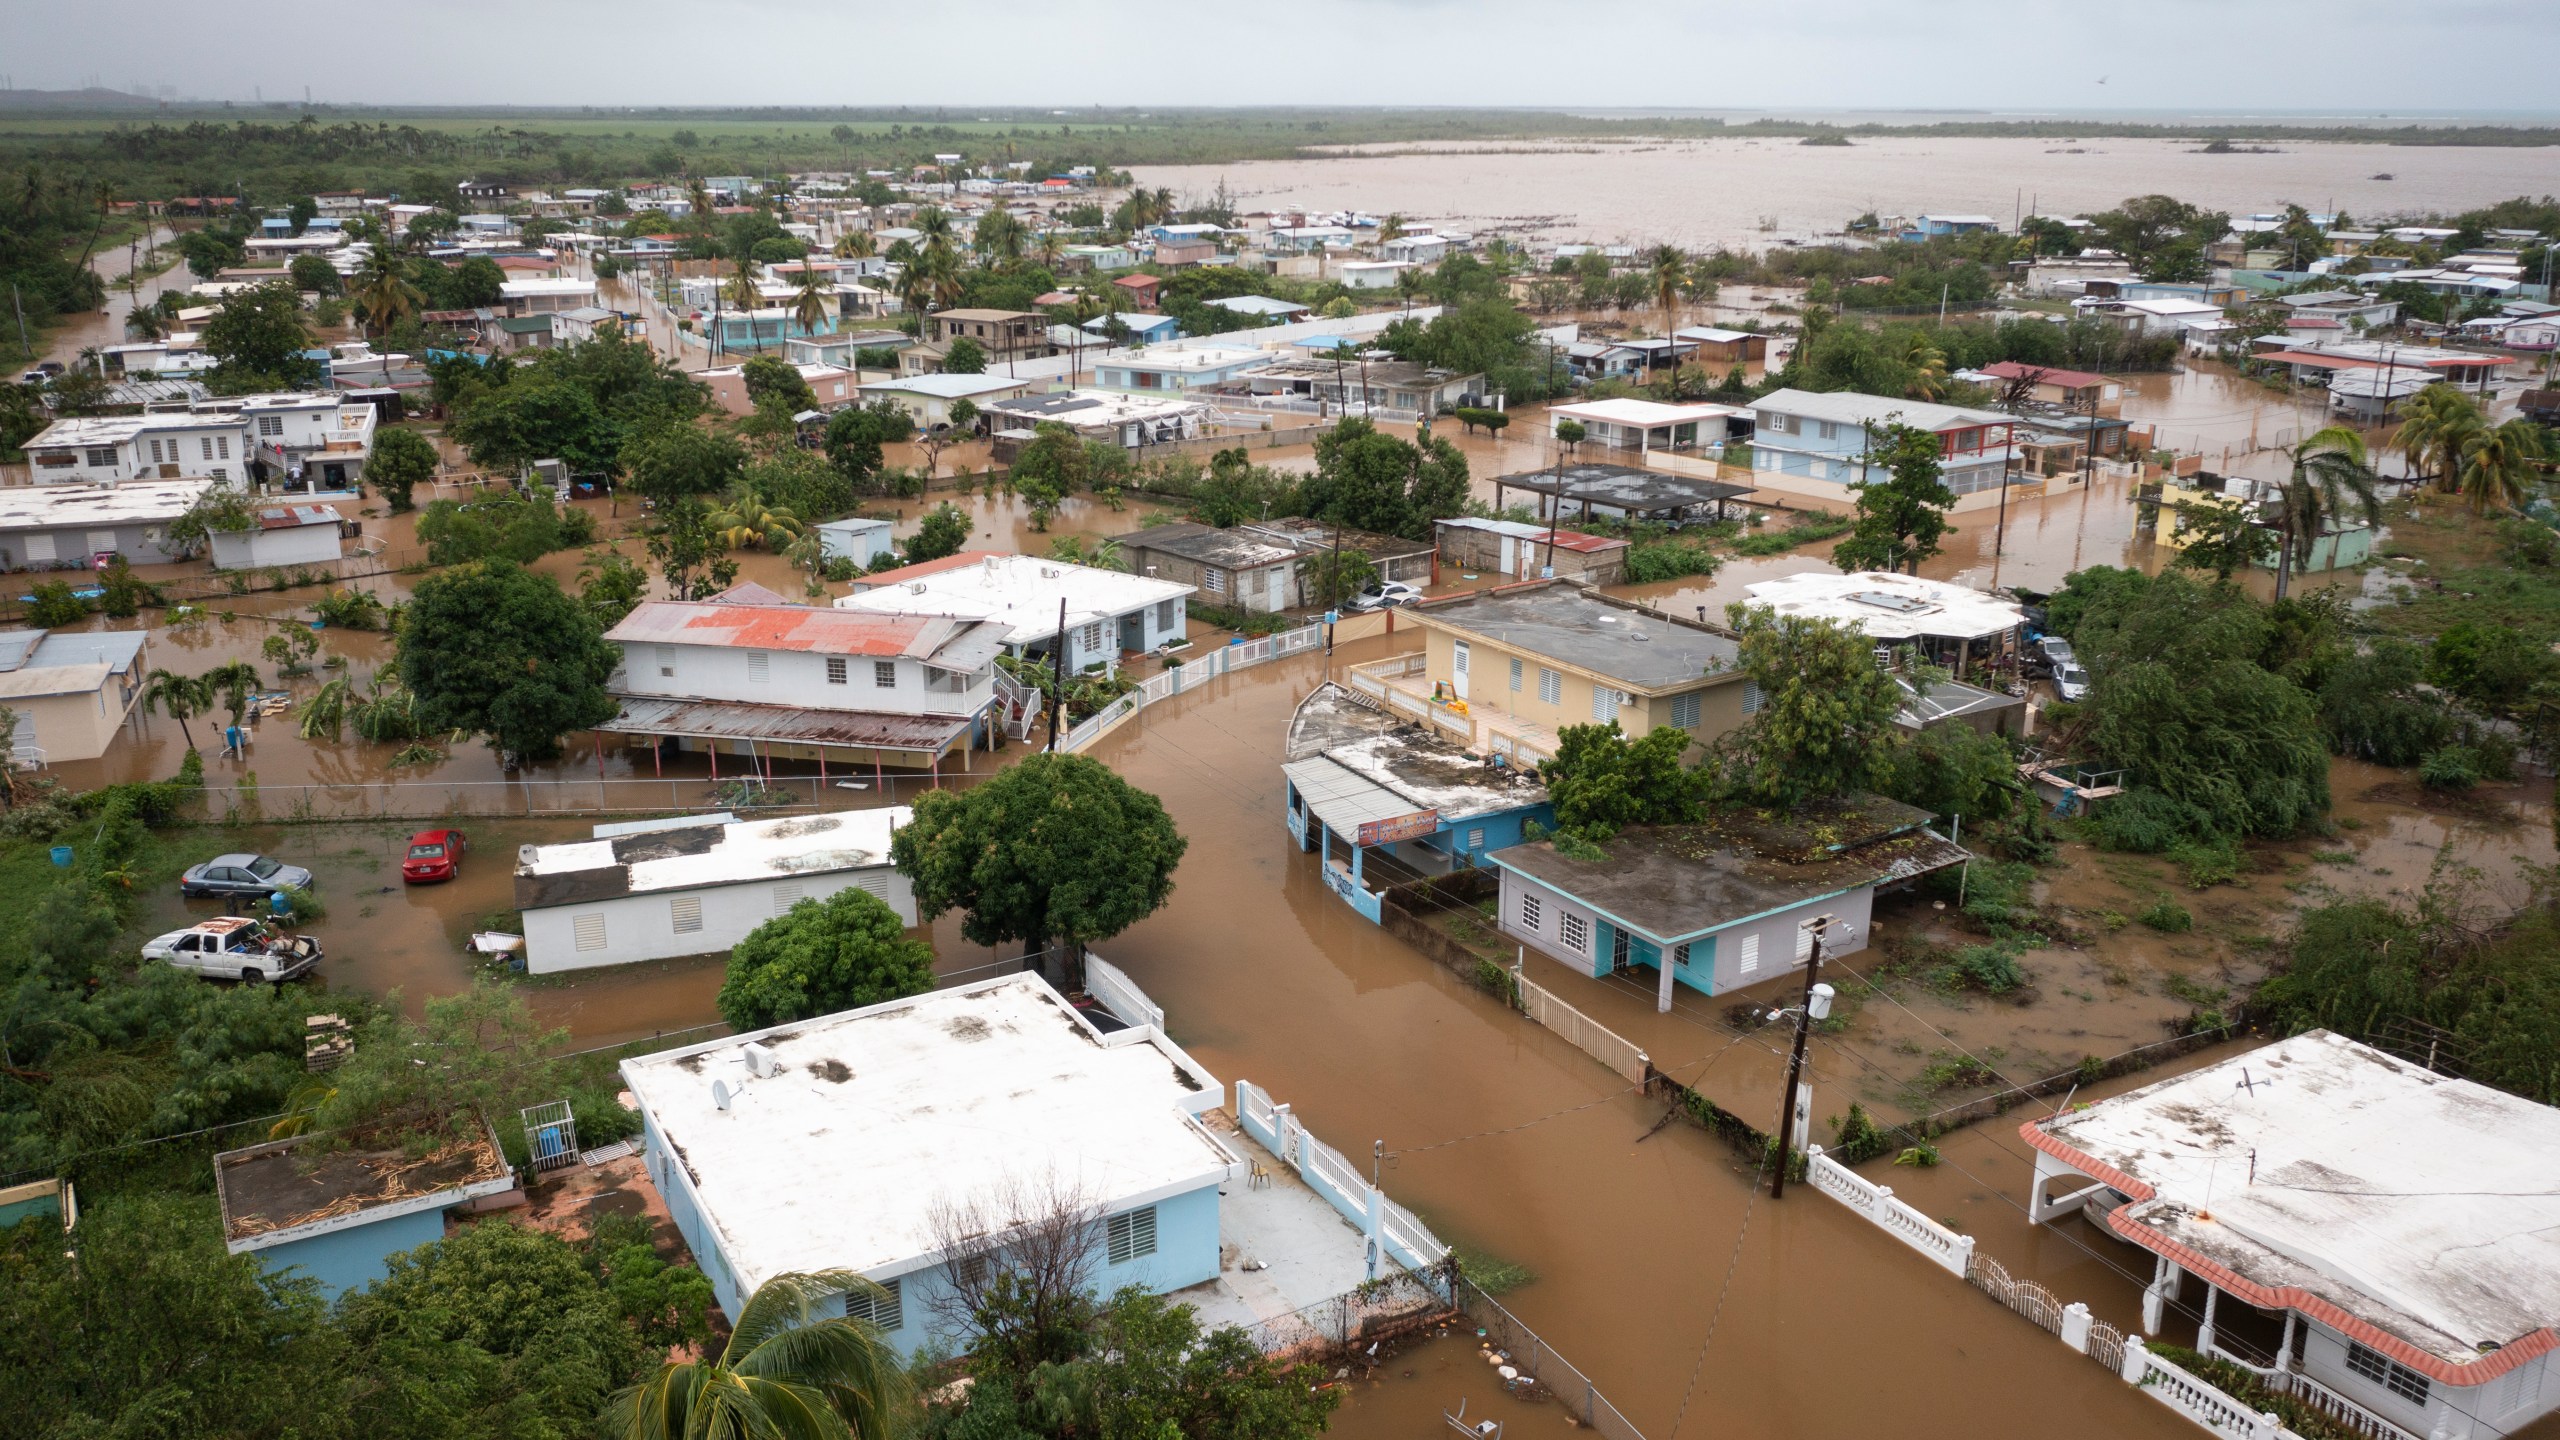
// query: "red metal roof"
[[1582, 544], [2044, 374], [773, 627]]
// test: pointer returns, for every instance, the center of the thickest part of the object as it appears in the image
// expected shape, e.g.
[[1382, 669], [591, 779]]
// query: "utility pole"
[[1817, 1005], [1058, 676]]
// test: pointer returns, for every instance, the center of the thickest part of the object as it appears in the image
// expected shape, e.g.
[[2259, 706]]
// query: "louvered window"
[[1132, 1235], [786, 896], [759, 667], [684, 914], [885, 1311], [590, 931]]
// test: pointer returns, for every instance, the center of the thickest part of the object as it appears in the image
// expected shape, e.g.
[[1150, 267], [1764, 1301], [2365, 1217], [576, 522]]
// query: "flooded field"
[[1746, 193]]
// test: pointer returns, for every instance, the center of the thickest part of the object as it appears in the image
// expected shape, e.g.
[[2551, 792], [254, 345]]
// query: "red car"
[[434, 855]]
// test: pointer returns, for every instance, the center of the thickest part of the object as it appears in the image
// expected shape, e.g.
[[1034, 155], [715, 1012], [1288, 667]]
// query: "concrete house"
[[1385, 802], [829, 1143], [1815, 443], [1233, 568], [859, 540], [660, 889], [1018, 597], [71, 527], [164, 445], [303, 440], [1949, 624], [1128, 419], [2079, 391], [283, 535], [1415, 562], [338, 1216], [1718, 346], [1351, 387], [1721, 906], [72, 692], [1002, 334], [775, 681], [1643, 425], [1578, 492], [1519, 664], [1206, 368], [2380, 1240], [546, 297], [1531, 552], [929, 398]]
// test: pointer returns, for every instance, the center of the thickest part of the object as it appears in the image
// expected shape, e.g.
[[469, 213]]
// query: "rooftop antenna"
[[720, 1094]]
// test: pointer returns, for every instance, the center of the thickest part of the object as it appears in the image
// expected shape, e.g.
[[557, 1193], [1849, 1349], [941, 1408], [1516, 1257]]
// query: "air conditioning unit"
[[761, 1061]]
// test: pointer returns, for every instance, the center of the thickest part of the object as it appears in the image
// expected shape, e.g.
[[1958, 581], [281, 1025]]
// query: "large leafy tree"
[[942, 531], [402, 460], [1826, 711], [675, 463], [790, 1369], [841, 953], [854, 437], [257, 339], [1601, 782], [1056, 850], [1371, 480], [768, 379], [1901, 517], [2237, 742], [965, 357], [531, 419], [501, 652]]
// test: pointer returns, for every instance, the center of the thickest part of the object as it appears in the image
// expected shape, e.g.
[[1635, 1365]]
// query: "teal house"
[[341, 1217]]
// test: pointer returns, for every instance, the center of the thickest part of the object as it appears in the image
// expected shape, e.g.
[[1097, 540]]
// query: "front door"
[[1458, 672]]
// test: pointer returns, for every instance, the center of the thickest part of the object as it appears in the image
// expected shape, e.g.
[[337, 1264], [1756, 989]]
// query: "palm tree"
[[746, 294], [2329, 468], [1049, 248], [856, 245], [2501, 464], [178, 696], [809, 306], [382, 292], [787, 1371], [933, 226], [2435, 425], [1670, 272], [999, 236], [1391, 228], [235, 683], [1928, 369], [750, 524]]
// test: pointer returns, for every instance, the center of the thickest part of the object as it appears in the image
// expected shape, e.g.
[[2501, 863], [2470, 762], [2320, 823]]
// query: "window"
[[1604, 703], [1750, 697], [786, 896], [2399, 1379], [270, 424], [156, 456], [684, 914], [1804, 941], [1093, 636], [590, 930], [884, 674], [1576, 933], [1550, 686], [1131, 1235], [1680, 956], [1748, 960], [1532, 914], [1475, 838], [222, 448], [759, 667], [1164, 614], [1684, 711], [836, 671], [102, 457], [1213, 580], [1515, 675], [886, 1311]]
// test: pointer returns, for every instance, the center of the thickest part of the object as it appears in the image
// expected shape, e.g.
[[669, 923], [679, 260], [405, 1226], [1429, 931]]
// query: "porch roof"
[[787, 725]]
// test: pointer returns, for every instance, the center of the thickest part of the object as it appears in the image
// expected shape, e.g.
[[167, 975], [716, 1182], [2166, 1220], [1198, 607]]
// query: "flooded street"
[[1747, 193]]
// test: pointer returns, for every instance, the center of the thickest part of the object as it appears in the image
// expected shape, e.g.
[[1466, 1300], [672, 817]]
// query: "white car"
[[235, 947], [1386, 593], [2070, 681]]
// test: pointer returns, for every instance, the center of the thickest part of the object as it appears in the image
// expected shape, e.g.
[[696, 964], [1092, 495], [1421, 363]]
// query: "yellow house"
[[1504, 671], [72, 693]]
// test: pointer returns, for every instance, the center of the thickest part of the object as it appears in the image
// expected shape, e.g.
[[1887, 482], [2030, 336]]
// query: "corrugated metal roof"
[[1342, 800], [786, 725], [952, 642]]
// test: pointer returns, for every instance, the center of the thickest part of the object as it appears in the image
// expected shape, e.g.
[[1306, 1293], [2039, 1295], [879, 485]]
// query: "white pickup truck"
[[235, 947]]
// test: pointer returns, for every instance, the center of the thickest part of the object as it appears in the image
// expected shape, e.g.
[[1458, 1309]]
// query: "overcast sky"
[[2350, 58]]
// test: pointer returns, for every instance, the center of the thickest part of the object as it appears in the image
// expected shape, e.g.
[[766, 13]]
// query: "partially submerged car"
[[235, 947], [434, 855], [1385, 594]]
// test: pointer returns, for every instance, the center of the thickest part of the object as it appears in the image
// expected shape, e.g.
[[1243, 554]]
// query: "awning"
[[1347, 803], [785, 725]]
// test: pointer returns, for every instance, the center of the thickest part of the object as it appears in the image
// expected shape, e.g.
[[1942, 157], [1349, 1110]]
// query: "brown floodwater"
[[1751, 192]]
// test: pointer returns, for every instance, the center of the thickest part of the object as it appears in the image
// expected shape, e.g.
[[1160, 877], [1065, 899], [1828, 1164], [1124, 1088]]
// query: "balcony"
[[1401, 687]]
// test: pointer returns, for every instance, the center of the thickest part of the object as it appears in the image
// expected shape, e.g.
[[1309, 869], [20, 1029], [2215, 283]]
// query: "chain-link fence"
[[1541, 1373]]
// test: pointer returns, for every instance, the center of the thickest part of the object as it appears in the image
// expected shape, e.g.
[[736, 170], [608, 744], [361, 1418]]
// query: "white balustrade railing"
[[1952, 1251], [1190, 675], [2197, 1399]]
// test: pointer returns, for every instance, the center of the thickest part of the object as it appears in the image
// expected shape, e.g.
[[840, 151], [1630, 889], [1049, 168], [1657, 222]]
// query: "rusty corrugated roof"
[[785, 724], [950, 641]]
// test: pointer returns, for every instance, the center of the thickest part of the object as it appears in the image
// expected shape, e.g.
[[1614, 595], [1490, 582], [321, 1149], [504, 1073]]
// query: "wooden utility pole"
[[1795, 1061], [1058, 674]]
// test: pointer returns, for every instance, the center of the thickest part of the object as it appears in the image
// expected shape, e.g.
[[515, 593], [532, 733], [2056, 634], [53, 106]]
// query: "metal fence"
[[1543, 1372], [1392, 1304], [1594, 1039], [1190, 675]]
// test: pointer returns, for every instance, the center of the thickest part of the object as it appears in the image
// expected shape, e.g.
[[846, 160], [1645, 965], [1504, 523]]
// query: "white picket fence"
[[2199, 1400], [1623, 1056], [1190, 675]]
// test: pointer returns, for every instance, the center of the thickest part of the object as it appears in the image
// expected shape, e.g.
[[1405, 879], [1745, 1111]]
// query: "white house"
[[1821, 439], [54, 527], [855, 538], [2382, 1239], [283, 535], [546, 297], [929, 398], [834, 1144], [1106, 612], [685, 887], [302, 439], [1166, 368], [1646, 425], [755, 677], [167, 445], [1369, 274]]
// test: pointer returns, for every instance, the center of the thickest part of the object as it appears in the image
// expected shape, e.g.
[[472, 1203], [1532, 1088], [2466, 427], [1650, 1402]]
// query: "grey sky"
[[2348, 58]]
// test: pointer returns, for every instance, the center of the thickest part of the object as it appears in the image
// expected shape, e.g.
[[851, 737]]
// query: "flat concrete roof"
[[692, 857], [1639, 649], [1018, 592], [873, 1117], [1205, 545], [1887, 606], [135, 502], [1647, 414], [2409, 1203]]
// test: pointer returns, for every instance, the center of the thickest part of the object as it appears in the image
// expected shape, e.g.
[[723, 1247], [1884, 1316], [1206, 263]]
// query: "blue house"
[[857, 539], [910, 1141], [1387, 803], [1934, 227], [1823, 436], [1721, 906], [339, 1220], [1144, 329]]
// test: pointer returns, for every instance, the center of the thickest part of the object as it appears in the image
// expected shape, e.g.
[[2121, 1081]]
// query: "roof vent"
[[761, 1062]]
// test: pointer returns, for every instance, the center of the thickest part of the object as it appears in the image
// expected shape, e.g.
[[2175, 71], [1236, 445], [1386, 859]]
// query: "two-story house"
[[1817, 443], [1024, 597], [764, 682], [163, 445], [300, 440], [1504, 671], [1002, 334]]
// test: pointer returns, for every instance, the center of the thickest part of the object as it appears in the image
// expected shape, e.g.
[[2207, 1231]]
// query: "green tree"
[[854, 437], [257, 339], [1370, 480], [211, 251], [769, 379], [674, 463], [478, 284], [179, 697], [382, 291], [1826, 712], [1901, 518], [1330, 578], [2436, 424], [2223, 536], [823, 956], [1054, 850], [2495, 667], [965, 357], [2502, 466], [313, 275], [401, 461], [2239, 744], [1602, 782], [532, 418], [942, 531], [1050, 468], [789, 1370], [497, 651], [610, 586]]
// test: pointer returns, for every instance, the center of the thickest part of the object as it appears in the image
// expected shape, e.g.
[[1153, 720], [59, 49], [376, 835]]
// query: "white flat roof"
[[1645, 413], [48, 507], [740, 851], [947, 386], [88, 430], [876, 1115], [1020, 592], [547, 287], [1169, 358], [1848, 407], [2416, 1202], [1888, 607]]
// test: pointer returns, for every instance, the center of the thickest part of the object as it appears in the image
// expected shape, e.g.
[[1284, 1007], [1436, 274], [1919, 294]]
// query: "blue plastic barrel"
[[62, 857], [279, 903]]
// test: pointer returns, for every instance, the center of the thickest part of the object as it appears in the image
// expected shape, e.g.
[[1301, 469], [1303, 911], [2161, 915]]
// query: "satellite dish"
[[720, 1094]]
